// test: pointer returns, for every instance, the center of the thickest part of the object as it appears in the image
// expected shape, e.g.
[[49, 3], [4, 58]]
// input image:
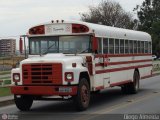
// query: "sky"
[[17, 16]]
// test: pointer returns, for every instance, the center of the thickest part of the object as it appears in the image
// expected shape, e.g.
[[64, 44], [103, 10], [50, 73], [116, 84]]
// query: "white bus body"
[[114, 57]]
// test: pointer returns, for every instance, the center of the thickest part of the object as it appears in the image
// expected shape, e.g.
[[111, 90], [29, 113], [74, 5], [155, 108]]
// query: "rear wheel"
[[133, 87], [82, 98], [23, 102], [124, 89], [96, 92]]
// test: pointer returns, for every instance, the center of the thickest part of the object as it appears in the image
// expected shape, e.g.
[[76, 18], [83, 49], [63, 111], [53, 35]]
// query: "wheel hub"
[[84, 95]]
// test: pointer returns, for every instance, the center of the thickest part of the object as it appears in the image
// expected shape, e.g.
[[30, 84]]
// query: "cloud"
[[31, 9], [17, 16]]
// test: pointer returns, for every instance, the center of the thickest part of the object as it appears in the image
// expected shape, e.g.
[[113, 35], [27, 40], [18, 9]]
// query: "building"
[[7, 47]]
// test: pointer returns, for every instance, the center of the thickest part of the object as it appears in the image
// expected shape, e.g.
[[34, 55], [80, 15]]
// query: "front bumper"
[[44, 90]]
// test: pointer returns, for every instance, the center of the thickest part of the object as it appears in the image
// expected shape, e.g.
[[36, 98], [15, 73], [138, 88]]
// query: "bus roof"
[[114, 32], [105, 31]]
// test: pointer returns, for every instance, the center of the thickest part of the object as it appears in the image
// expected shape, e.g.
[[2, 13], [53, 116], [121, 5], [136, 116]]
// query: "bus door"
[[101, 66]]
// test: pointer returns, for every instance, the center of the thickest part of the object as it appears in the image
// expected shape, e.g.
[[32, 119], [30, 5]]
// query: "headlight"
[[16, 77], [69, 76]]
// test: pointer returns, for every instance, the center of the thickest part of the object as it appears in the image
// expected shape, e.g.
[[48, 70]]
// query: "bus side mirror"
[[94, 45], [20, 45]]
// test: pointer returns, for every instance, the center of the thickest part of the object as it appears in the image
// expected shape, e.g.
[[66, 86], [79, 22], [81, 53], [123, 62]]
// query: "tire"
[[82, 98], [124, 89], [96, 92], [133, 87], [24, 102]]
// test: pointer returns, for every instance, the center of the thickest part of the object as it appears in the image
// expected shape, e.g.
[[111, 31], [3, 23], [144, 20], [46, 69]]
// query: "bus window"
[[126, 46], [116, 46], [146, 47], [135, 46], [105, 45], [142, 46], [121, 46], [73, 44], [44, 45], [111, 46], [131, 46], [53, 46], [35, 47], [139, 47]]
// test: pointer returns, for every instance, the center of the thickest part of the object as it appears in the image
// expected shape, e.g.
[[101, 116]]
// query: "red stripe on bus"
[[122, 55], [114, 84], [89, 64], [120, 83], [124, 62], [121, 69]]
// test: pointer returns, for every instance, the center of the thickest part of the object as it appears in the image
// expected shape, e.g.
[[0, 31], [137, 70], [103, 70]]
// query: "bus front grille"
[[42, 73]]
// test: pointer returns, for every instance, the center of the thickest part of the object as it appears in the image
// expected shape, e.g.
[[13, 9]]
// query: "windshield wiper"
[[81, 51], [84, 50], [48, 49]]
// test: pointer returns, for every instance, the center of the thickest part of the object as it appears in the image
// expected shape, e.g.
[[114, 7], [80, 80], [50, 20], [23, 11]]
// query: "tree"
[[149, 21], [155, 32], [109, 13]]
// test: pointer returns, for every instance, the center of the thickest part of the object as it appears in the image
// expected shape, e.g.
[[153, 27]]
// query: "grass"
[[7, 79], [5, 91], [7, 82]]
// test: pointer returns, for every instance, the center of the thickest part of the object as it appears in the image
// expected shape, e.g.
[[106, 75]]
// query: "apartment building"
[[7, 47]]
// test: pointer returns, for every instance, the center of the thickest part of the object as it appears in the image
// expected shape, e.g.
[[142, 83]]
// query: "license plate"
[[63, 89]]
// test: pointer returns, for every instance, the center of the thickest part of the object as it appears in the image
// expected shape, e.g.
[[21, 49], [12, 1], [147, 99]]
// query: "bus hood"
[[54, 58]]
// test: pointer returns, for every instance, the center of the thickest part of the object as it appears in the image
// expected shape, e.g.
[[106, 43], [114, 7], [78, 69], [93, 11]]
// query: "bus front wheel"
[[23, 102], [82, 98]]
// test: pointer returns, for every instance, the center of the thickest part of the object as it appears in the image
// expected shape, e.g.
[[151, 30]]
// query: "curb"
[[6, 102]]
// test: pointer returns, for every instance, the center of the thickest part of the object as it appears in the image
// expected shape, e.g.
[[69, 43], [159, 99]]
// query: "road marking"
[[118, 106]]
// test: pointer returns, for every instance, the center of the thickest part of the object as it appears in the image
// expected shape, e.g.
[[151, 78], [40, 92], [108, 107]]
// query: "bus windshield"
[[60, 44]]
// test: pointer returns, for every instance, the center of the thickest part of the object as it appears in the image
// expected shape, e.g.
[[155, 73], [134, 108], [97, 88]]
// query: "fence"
[[7, 63]]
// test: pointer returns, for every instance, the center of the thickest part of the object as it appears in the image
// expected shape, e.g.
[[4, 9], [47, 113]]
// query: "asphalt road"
[[109, 104]]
